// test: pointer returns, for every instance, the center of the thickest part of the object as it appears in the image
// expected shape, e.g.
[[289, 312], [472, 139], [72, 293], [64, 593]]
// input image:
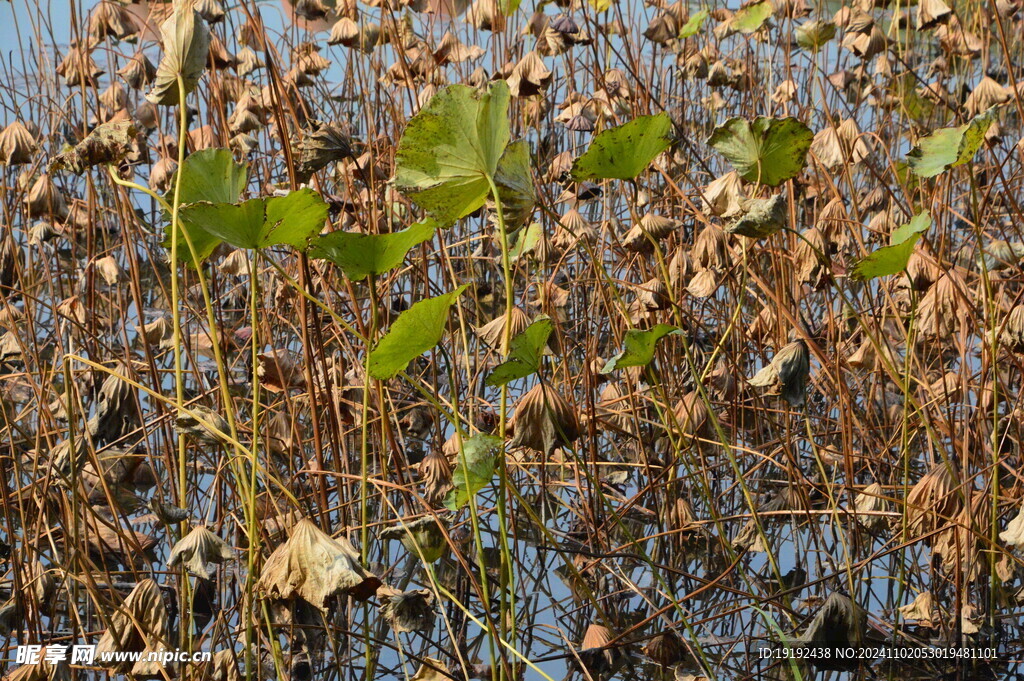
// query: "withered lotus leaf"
[[544, 421], [424, 538], [407, 610], [17, 145], [197, 550], [787, 373], [108, 143], [314, 566], [44, 670], [139, 625], [838, 623]]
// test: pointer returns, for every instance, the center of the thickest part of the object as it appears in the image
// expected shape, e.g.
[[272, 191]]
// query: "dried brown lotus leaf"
[[493, 333], [653, 295], [868, 504], [724, 195], [108, 269], [787, 373], [209, 10], [598, 658], [711, 249], [197, 550], [839, 623], [78, 68], [138, 72], [704, 283], [158, 331], [110, 19], [922, 610], [486, 15], [785, 92], [247, 61], [280, 370], [223, 666], [691, 416], [344, 32], [543, 421], [323, 144], [165, 513], [162, 174], [139, 625], [201, 423], [827, 149], [314, 566], [931, 13], [811, 257], [436, 472], [186, 42], [666, 649], [529, 77], [932, 502], [407, 611], [432, 670], [243, 120], [108, 143], [17, 144], [944, 308], [664, 28], [986, 94], [1014, 532], [44, 670]]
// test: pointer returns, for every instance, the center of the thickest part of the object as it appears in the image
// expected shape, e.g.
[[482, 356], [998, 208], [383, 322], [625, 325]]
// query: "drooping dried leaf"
[[197, 550], [314, 566], [186, 42]]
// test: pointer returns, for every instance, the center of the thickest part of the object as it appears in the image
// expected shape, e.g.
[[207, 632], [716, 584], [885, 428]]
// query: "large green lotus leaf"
[[949, 147], [625, 151], [414, 332], [639, 348], [524, 355], [208, 175], [360, 255], [293, 219], [259, 223], [474, 470], [450, 149], [768, 150]]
